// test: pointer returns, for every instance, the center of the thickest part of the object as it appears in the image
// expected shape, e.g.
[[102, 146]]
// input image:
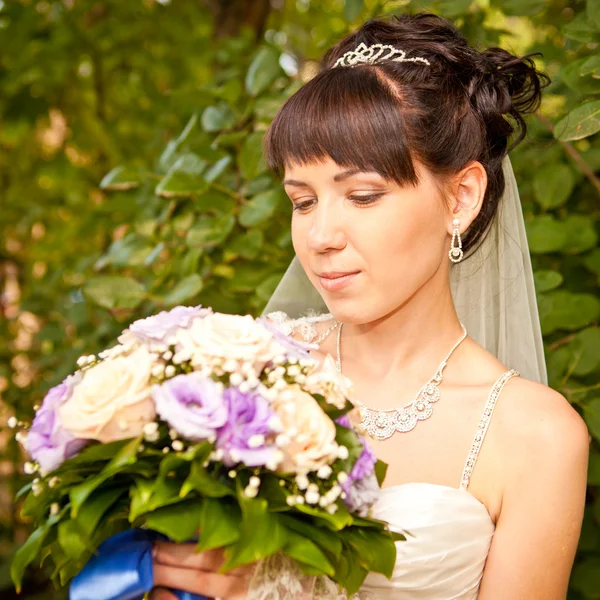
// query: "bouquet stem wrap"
[[121, 570]]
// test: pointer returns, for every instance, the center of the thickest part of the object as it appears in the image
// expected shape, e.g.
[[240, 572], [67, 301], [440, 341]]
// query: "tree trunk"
[[231, 15]]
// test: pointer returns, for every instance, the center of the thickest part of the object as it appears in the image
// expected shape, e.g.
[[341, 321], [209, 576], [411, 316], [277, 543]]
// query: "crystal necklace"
[[380, 424]]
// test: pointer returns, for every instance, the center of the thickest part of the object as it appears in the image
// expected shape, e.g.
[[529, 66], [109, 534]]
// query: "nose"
[[326, 232]]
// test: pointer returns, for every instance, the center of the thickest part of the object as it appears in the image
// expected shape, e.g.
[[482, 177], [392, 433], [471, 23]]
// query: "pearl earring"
[[456, 252]]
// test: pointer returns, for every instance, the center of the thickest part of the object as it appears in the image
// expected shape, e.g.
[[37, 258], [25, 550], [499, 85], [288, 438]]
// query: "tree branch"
[[576, 156]]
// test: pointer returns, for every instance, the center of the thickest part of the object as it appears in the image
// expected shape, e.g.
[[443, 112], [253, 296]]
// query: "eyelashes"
[[363, 200]]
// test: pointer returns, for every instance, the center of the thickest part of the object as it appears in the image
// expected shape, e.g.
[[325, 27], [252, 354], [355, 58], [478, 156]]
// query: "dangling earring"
[[456, 252]]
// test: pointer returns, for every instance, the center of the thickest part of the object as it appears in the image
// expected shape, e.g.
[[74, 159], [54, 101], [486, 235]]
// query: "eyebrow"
[[337, 178]]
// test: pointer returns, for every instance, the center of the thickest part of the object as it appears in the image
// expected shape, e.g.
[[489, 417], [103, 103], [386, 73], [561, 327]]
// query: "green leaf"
[[306, 552], [337, 521], [580, 123], [376, 551], [545, 234], [26, 554], [184, 289], [260, 208], [210, 231], [180, 522], [553, 184], [262, 71], [380, 471], [570, 75], [581, 234], [353, 9], [322, 537], [184, 178], [219, 523], [248, 244], [125, 457], [585, 347], [547, 280], [31, 548], [594, 468], [261, 534], [121, 178], [216, 118], [454, 8], [95, 507], [169, 155], [132, 250], [562, 309], [217, 169], [591, 67], [586, 578], [592, 261], [204, 483], [73, 540], [593, 12], [580, 28], [521, 8], [92, 454], [250, 158], [591, 415], [115, 291]]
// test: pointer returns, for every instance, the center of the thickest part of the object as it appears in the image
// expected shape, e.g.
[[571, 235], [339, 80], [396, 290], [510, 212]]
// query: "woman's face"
[[367, 244]]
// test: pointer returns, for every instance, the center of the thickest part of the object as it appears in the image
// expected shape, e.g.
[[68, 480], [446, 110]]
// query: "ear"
[[468, 191]]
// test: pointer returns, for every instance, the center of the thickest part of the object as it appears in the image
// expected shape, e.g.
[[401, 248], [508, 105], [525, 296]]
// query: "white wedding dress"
[[450, 529]]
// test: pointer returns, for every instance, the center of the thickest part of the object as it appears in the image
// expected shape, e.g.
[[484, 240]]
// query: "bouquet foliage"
[[204, 424]]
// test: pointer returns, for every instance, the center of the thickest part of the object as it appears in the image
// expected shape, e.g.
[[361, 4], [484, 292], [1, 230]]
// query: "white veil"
[[493, 291]]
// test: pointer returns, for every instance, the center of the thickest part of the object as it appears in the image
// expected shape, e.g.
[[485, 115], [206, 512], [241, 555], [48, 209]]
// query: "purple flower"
[[191, 404], [361, 487], [47, 442], [242, 439], [291, 346], [160, 327]]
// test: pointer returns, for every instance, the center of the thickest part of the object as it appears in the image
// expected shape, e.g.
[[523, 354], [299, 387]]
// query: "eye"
[[365, 199], [305, 205]]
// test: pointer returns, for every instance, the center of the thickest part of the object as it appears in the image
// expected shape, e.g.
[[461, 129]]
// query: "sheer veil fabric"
[[493, 291]]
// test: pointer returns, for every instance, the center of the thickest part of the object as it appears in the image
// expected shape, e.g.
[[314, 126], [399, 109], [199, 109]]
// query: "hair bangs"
[[349, 115]]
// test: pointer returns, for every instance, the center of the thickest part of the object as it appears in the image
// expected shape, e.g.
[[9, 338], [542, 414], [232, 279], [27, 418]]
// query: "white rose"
[[312, 433], [326, 381], [112, 401], [220, 337]]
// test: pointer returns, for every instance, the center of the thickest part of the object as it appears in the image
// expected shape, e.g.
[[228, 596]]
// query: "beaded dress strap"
[[483, 426]]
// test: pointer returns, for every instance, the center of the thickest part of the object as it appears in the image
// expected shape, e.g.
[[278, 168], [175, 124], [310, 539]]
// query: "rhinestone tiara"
[[376, 53]]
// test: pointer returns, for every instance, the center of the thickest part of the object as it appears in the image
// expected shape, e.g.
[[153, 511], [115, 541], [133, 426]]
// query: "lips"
[[333, 281]]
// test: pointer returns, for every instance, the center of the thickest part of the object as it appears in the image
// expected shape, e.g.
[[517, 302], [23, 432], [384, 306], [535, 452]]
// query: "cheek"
[[403, 249]]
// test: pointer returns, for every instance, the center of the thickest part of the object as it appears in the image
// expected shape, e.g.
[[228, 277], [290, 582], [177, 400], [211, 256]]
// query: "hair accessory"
[[374, 54], [456, 252]]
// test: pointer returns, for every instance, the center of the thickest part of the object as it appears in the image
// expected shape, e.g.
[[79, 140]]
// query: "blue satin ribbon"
[[121, 569]]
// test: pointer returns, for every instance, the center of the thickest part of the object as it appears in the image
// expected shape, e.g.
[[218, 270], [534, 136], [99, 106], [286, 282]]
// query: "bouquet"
[[199, 423]]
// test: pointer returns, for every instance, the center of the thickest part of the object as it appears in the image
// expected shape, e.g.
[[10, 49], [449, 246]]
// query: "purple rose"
[[242, 439], [47, 442], [160, 327], [191, 404]]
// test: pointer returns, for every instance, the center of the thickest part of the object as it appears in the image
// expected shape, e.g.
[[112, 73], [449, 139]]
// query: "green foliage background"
[[131, 180]]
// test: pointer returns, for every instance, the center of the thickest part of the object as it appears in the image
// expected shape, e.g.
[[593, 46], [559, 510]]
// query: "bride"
[[412, 259]]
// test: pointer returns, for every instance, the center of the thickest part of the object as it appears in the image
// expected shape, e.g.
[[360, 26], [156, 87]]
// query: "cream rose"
[[225, 337], [312, 440], [112, 401], [326, 381]]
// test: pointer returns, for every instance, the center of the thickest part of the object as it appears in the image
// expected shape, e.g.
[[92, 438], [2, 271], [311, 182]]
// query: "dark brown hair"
[[461, 108]]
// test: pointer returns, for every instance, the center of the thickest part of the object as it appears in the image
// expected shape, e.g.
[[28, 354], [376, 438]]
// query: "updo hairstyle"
[[463, 107]]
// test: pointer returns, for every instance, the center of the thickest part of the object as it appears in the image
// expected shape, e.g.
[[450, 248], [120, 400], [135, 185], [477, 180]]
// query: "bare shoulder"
[[538, 429]]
